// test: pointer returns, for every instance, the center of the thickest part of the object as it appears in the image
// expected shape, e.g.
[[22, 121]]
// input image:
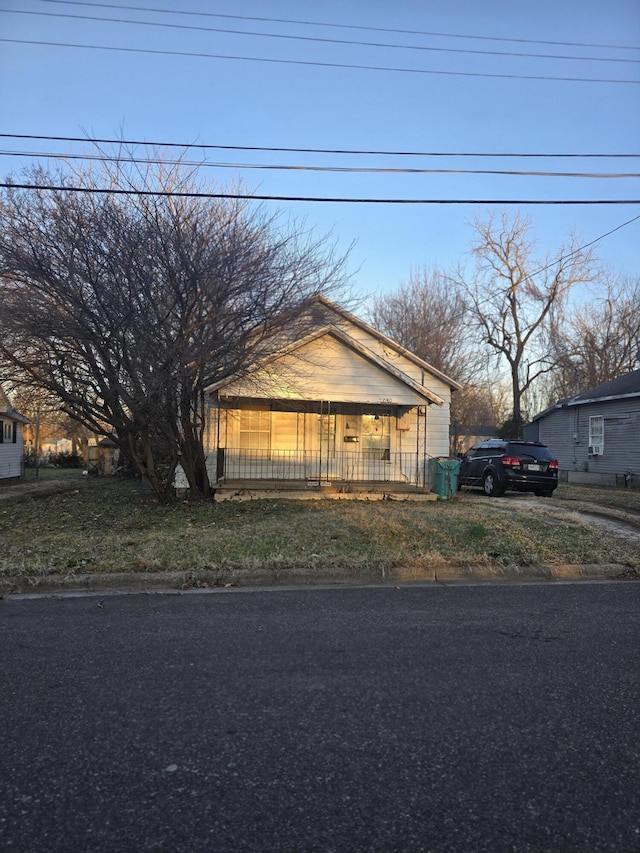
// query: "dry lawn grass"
[[588, 497], [105, 527]]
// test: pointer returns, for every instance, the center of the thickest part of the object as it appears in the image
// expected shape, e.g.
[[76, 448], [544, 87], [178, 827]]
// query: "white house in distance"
[[11, 441], [343, 408]]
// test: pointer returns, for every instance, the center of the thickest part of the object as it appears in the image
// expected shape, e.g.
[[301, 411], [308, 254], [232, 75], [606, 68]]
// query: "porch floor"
[[365, 490]]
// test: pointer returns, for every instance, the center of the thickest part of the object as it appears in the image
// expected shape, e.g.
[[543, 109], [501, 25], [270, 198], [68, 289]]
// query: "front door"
[[326, 444]]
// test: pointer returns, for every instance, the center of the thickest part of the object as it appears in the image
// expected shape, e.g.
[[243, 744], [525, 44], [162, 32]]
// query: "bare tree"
[[127, 302], [430, 316], [517, 297], [599, 340], [427, 316], [46, 420]]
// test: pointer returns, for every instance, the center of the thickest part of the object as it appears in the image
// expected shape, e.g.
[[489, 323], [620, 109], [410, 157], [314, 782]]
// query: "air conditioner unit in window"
[[595, 450]]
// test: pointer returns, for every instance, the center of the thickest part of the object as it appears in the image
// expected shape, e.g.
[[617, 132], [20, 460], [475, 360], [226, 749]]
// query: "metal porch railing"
[[344, 466]]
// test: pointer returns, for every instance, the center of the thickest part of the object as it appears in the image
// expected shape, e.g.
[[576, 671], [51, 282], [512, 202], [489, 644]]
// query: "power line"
[[343, 26], [487, 299], [317, 64], [186, 145], [337, 200], [102, 158], [321, 40], [585, 246], [528, 276]]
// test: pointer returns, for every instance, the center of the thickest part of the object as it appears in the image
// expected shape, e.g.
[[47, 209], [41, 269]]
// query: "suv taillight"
[[511, 461], [553, 465]]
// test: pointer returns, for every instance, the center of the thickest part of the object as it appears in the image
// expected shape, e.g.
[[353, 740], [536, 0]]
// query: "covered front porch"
[[312, 468], [317, 445]]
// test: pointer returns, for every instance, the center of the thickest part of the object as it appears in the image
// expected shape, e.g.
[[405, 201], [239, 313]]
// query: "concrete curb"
[[191, 580]]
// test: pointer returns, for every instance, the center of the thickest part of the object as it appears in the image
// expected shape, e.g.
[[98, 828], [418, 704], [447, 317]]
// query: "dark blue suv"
[[498, 465]]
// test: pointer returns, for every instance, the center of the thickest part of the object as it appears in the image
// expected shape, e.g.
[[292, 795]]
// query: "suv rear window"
[[542, 454]]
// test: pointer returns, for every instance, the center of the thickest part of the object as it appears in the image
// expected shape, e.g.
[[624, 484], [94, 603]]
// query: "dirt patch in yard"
[[43, 488], [619, 521]]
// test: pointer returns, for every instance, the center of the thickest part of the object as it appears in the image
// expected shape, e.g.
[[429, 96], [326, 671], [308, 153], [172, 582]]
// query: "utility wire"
[[186, 145], [350, 42], [317, 64], [255, 197], [528, 276], [342, 26], [585, 246], [102, 158]]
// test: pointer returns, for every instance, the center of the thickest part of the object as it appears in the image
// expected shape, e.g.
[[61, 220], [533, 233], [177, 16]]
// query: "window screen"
[[596, 432]]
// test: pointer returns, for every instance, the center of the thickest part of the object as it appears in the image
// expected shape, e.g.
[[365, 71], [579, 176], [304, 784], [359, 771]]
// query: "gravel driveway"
[[617, 521]]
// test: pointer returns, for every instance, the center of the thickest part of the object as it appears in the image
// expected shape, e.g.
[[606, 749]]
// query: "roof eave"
[[606, 399], [390, 342], [347, 340]]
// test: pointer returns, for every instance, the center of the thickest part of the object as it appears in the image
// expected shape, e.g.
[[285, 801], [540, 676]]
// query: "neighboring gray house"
[[11, 441], [596, 434]]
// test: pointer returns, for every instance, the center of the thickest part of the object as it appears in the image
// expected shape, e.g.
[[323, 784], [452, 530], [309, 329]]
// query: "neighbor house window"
[[6, 430], [596, 433], [255, 429], [1, 431], [376, 436]]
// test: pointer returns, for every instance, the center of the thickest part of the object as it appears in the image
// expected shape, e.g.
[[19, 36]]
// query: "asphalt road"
[[463, 718]]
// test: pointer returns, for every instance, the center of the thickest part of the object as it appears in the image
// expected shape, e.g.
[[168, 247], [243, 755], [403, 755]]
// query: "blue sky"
[[69, 91]]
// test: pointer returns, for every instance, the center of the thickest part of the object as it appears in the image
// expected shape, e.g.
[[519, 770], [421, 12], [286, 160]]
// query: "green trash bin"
[[444, 477]]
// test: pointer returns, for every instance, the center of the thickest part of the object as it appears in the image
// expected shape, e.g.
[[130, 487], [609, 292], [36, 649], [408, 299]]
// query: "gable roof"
[[345, 340], [7, 410], [384, 365], [351, 318], [624, 387], [331, 320]]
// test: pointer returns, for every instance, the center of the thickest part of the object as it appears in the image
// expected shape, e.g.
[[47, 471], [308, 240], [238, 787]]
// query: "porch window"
[[376, 436], [596, 434], [255, 429]]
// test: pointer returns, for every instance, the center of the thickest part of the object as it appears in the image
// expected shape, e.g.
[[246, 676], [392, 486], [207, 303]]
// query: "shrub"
[[66, 460]]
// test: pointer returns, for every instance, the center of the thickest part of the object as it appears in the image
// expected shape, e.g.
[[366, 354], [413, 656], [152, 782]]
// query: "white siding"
[[11, 453], [399, 361], [438, 430], [326, 369]]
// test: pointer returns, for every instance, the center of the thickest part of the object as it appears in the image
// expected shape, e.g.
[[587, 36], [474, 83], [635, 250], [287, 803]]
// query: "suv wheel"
[[492, 488]]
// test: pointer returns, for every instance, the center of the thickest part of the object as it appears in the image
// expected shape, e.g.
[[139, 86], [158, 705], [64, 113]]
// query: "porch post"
[[421, 445], [425, 464], [220, 454], [220, 463], [320, 444]]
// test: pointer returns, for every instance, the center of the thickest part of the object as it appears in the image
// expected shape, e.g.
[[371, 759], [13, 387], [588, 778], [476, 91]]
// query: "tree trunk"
[[517, 402], [193, 460]]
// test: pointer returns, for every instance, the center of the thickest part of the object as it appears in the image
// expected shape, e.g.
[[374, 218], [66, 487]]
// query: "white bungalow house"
[[344, 408], [11, 440]]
